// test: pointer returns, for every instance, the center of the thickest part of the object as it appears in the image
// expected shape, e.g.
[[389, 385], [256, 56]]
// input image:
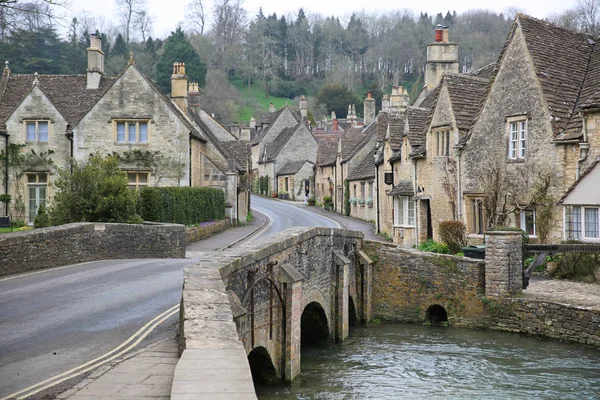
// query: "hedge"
[[181, 205]]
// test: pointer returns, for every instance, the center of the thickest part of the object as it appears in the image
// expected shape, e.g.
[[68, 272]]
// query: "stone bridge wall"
[[407, 282], [80, 242]]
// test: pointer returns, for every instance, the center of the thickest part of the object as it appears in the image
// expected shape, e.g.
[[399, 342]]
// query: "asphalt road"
[[55, 320]]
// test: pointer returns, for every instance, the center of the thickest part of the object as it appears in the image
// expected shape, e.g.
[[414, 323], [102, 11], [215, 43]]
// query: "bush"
[[41, 220], [95, 191], [327, 199], [434, 247], [289, 89], [181, 205], [577, 266], [453, 233], [311, 201], [512, 229], [347, 198]]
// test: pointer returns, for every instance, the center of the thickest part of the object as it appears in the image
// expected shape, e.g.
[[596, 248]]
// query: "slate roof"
[[396, 127], [364, 170], [403, 188], [327, 152], [67, 93], [466, 94], [273, 148], [270, 119], [486, 72], [291, 167], [349, 144]]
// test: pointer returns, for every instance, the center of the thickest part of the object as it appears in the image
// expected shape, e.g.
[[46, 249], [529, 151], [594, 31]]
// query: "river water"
[[420, 362]]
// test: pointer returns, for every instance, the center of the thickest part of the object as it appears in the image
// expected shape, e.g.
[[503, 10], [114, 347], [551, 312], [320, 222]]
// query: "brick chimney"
[[369, 104], [179, 86], [442, 56], [95, 69], [303, 108], [335, 125]]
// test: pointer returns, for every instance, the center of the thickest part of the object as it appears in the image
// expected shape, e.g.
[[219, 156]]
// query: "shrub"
[[453, 233], [346, 198], [327, 199], [499, 228], [289, 89], [94, 191], [311, 201], [434, 247], [577, 266], [181, 205], [41, 220]]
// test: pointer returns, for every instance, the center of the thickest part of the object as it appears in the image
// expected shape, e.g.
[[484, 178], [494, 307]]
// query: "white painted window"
[[131, 131], [582, 222], [37, 185], [517, 139], [404, 211], [590, 217], [528, 222], [36, 131]]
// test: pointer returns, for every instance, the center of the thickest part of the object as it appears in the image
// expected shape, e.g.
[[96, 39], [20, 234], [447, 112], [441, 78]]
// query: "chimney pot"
[[369, 95]]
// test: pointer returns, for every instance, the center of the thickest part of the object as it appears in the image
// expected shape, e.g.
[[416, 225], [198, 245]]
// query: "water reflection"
[[417, 362]]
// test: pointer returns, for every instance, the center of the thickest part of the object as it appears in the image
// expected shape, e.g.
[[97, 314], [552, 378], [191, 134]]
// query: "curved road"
[[54, 320]]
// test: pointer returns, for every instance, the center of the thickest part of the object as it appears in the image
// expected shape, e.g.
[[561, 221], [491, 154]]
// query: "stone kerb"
[[503, 263], [81, 242]]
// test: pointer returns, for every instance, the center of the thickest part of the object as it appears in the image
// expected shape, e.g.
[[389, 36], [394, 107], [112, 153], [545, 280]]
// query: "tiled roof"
[[291, 167], [381, 126], [403, 188], [349, 144], [466, 94], [67, 93], [270, 119], [396, 127], [327, 152], [238, 152], [279, 142], [364, 170], [486, 72]]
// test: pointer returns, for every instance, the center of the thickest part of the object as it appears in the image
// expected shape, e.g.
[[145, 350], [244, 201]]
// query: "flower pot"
[[274, 195]]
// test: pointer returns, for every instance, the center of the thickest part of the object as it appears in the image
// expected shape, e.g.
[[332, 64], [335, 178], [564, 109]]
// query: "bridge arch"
[[436, 314], [314, 326], [353, 317], [261, 366]]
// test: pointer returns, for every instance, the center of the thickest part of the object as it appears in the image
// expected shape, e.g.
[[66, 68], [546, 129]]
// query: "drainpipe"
[[377, 198], [458, 184], [6, 135], [583, 149], [343, 210], [416, 189]]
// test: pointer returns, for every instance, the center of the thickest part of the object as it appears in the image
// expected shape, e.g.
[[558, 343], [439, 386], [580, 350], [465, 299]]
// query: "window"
[[362, 190], [517, 139], [582, 222], [36, 131], [442, 142], [476, 216], [528, 222], [137, 180], [404, 211], [37, 184], [132, 131]]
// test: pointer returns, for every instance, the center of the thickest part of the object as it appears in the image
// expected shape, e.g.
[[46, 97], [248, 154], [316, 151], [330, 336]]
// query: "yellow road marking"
[[143, 331]]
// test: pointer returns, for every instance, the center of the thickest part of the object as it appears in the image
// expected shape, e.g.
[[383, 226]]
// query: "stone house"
[[534, 135], [325, 166], [361, 185], [72, 116]]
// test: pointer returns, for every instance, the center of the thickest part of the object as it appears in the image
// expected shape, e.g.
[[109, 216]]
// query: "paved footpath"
[[148, 374]]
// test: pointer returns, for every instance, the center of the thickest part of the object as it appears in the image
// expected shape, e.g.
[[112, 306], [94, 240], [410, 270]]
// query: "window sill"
[[515, 160], [132, 144], [405, 226]]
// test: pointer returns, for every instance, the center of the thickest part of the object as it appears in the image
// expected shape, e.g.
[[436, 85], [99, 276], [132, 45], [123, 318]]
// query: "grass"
[[257, 93], [8, 230]]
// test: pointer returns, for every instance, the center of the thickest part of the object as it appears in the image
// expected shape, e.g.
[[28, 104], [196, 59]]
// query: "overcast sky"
[[169, 13]]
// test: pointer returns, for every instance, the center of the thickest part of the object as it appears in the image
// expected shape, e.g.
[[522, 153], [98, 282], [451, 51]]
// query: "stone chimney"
[[95, 69], [442, 56], [303, 108], [252, 123], [385, 104], [245, 133], [235, 130], [179, 86], [193, 96], [272, 108], [369, 104], [399, 100]]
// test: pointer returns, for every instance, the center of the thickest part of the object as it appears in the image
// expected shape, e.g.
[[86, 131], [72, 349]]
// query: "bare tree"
[[129, 9], [143, 22], [196, 17], [229, 27], [30, 15], [589, 15]]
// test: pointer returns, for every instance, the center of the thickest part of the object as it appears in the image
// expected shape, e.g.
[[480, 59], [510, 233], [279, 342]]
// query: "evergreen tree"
[[179, 49], [120, 47]]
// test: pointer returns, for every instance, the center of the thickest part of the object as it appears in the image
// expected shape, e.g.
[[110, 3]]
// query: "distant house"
[[72, 116]]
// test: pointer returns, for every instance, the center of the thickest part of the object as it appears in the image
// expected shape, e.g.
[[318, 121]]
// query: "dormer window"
[[517, 139], [36, 131], [131, 131], [441, 139]]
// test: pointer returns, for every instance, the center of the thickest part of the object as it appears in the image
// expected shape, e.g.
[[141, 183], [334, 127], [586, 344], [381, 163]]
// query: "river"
[[421, 362]]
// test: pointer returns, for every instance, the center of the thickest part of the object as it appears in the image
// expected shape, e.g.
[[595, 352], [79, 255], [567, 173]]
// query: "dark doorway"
[[437, 315], [428, 216], [313, 325], [261, 366], [352, 315]]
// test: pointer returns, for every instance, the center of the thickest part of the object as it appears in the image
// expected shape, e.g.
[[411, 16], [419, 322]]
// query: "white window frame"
[[523, 221], [127, 125], [517, 138], [584, 221], [402, 218], [36, 123], [38, 185]]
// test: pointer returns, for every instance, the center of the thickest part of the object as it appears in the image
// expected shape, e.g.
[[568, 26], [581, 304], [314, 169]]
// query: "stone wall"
[[80, 242], [197, 233], [503, 264], [407, 282]]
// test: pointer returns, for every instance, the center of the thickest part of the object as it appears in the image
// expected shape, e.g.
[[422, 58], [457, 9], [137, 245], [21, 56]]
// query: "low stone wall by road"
[[205, 230], [407, 282], [80, 242]]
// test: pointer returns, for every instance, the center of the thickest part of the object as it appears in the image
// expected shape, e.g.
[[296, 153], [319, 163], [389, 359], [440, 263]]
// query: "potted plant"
[[274, 195], [5, 220]]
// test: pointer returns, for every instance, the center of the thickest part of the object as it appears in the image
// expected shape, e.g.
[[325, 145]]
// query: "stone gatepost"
[[367, 273], [292, 296], [342, 266], [503, 263]]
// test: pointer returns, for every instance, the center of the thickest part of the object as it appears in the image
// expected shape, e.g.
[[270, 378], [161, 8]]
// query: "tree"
[[178, 49], [196, 17], [336, 98], [28, 14], [588, 12], [129, 9], [228, 31], [94, 191], [143, 22], [220, 98]]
